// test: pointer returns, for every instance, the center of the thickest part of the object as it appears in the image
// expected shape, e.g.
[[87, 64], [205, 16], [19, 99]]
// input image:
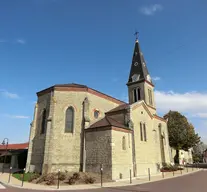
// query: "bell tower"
[[140, 85]]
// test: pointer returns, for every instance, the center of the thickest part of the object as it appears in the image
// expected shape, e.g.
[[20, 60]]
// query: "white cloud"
[[150, 10], [21, 41], [7, 94], [156, 78], [192, 103], [200, 115], [20, 117], [16, 116]]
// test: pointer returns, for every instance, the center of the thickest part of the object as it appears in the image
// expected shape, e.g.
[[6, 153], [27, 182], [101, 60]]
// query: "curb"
[[96, 187], [170, 177]]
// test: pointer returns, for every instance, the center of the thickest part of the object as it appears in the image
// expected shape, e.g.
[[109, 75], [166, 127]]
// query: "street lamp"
[[5, 142]]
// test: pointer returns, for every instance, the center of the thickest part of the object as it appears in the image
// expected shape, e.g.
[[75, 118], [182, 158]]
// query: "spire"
[[139, 71]]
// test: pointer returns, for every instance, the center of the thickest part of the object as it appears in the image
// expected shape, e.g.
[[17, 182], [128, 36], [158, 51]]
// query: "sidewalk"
[[135, 181]]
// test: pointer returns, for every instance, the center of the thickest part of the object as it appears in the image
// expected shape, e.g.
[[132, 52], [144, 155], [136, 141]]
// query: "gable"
[[145, 107]]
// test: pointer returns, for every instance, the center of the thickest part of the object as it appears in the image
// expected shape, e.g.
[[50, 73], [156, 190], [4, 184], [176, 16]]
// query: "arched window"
[[96, 114], [150, 96], [141, 133], [124, 143], [136, 94], [69, 120], [145, 132], [43, 125]]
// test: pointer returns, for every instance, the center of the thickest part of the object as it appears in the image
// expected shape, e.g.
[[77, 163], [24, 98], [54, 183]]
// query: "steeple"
[[140, 86], [139, 71]]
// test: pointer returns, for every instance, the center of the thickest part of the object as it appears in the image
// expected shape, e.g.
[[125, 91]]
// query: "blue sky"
[[46, 42]]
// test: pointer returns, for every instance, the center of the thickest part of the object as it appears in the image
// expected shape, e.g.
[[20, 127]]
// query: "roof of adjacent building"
[[107, 121], [119, 108], [15, 146], [78, 87]]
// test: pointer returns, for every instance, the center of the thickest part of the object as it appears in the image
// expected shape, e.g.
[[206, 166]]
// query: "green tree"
[[198, 151], [181, 133]]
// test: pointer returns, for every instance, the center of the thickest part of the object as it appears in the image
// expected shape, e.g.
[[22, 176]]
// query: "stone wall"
[[66, 147], [148, 153], [146, 87], [121, 158], [98, 151], [37, 140], [164, 131]]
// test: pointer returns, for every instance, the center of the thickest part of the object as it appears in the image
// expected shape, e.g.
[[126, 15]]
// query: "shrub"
[[41, 179], [62, 176], [33, 177], [76, 176], [180, 168], [50, 179], [168, 167], [71, 181], [89, 179]]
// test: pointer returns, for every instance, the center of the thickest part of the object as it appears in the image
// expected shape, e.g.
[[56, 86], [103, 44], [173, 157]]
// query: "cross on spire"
[[136, 34]]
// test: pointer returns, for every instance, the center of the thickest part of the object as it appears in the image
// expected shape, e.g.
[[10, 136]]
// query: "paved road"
[[190, 183]]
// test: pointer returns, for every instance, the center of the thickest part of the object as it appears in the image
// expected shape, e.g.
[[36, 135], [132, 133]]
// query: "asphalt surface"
[[195, 182]]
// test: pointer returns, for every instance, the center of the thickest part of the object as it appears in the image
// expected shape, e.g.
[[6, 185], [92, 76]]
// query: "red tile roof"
[[15, 146], [160, 118], [107, 121], [79, 87], [119, 108]]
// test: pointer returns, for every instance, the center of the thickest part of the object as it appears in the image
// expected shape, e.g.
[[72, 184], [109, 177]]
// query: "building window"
[[136, 94], [43, 125], [145, 133], [96, 114], [150, 96], [123, 143], [69, 120], [141, 133]]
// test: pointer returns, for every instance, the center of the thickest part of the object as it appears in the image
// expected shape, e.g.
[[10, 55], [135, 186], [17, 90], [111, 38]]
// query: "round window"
[[96, 114]]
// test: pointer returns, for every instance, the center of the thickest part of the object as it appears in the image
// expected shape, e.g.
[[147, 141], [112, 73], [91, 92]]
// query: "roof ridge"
[[80, 86], [17, 143], [106, 117], [114, 119]]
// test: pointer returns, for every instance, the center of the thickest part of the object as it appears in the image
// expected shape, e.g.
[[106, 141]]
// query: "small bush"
[[33, 177], [62, 176], [50, 179], [168, 168], [89, 180], [50, 182], [180, 168], [71, 181], [76, 176], [41, 179]]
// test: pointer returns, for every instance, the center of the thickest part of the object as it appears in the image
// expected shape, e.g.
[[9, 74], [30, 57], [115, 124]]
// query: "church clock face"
[[135, 77], [135, 64]]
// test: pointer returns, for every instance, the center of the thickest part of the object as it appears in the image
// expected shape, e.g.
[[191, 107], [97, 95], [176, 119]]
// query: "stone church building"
[[77, 128]]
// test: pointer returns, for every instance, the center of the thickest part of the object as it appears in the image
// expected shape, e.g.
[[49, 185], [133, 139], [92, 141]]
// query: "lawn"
[[19, 176]]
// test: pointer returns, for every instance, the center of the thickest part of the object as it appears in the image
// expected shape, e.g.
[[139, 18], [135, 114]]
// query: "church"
[[77, 128]]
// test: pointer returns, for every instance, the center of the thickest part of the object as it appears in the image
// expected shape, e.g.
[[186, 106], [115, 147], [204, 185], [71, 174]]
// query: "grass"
[[19, 176]]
